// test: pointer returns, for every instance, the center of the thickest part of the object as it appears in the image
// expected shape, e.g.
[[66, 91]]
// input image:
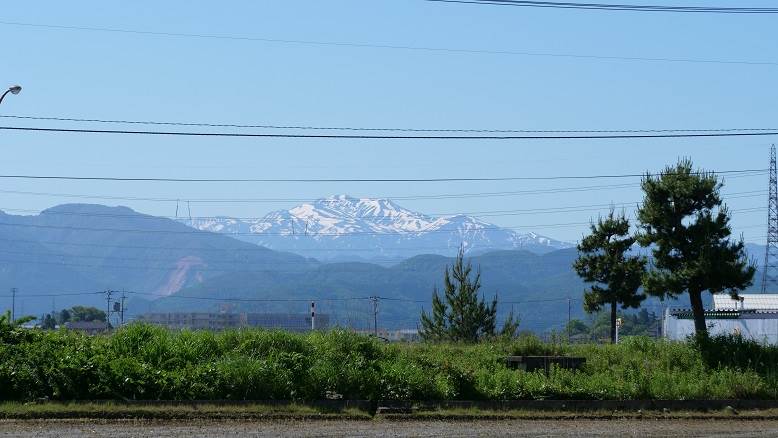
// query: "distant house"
[[89, 327], [754, 316]]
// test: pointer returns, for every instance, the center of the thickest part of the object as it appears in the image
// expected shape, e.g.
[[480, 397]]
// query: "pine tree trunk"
[[695, 298], [613, 322]]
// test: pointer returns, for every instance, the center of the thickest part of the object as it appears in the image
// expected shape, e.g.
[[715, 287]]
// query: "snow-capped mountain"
[[343, 227]]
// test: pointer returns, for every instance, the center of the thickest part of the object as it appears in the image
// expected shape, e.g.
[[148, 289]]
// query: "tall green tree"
[[605, 262], [460, 315], [48, 322], [86, 313], [64, 316], [686, 222]]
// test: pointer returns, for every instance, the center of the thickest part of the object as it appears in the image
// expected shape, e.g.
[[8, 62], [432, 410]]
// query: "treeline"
[[684, 221], [74, 314]]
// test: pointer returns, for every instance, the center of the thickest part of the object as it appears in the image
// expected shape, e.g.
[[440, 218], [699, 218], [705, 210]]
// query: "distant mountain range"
[[347, 228], [68, 254], [77, 248]]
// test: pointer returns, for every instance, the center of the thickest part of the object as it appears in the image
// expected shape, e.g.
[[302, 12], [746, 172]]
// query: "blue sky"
[[91, 74]]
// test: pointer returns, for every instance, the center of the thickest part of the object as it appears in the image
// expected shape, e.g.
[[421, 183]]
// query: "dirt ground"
[[387, 428]]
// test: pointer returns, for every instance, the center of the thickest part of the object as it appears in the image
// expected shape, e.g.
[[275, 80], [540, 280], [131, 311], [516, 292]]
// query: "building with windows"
[[295, 322], [88, 327], [753, 316]]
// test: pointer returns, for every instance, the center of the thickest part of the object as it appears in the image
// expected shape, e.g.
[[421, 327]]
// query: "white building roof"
[[746, 302]]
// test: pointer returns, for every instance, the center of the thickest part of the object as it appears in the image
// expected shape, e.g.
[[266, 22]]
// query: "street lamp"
[[13, 89], [619, 323]]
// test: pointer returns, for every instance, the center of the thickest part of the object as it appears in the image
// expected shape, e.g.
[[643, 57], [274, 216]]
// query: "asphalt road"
[[385, 428]]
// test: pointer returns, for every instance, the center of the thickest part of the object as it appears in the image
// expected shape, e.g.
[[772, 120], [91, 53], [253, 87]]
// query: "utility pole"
[[374, 299], [662, 322], [121, 310], [13, 304], [108, 308], [313, 316], [569, 314]]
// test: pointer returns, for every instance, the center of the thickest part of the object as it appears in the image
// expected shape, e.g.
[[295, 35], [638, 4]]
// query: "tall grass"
[[148, 362]]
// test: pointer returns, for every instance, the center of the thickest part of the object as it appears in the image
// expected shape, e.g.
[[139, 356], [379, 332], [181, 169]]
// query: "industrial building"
[[753, 316], [294, 322]]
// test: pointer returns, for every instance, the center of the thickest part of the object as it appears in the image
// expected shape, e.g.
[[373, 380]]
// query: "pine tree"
[[460, 315], [685, 220], [48, 322], [603, 261]]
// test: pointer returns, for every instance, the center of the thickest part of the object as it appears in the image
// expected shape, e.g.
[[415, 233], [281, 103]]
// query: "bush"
[[147, 362]]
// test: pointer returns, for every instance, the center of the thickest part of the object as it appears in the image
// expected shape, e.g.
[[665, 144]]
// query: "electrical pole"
[[313, 316], [662, 322], [770, 272], [569, 307], [108, 309], [374, 299], [121, 310], [13, 304]]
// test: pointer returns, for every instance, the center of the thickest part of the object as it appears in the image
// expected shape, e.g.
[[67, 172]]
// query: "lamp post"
[[13, 89], [619, 323]]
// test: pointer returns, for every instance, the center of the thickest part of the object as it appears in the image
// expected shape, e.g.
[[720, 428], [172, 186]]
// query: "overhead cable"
[[618, 7], [345, 44], [383, 180], [387, 136], [391, 129]]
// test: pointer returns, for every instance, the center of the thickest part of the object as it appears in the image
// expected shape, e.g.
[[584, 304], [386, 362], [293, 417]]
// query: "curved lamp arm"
[[14, 89]]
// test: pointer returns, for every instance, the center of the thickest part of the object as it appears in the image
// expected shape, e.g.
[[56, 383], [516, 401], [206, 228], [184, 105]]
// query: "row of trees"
[[685, 223], [682, 219], [75, 313]]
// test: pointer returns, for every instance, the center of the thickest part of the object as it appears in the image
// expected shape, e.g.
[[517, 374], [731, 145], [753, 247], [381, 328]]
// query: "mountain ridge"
[[345, 227]]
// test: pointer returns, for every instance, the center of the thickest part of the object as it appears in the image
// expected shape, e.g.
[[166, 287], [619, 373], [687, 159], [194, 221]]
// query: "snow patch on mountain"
[[344, 227]]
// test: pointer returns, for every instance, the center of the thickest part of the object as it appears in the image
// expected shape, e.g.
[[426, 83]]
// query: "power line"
[[389, 137], [199, 268], [54, 295], [450, 50], [309, 200], [196, 232], [260, 300], [249, 248], [374, 220], [230, 262], [177, 259], [280, 300], [401, 129], [362, 180], [543, 300], [390, 197], [618, 7], [326, 200]]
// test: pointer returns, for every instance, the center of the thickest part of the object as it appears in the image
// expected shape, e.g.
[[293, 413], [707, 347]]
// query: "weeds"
[[142, 362]]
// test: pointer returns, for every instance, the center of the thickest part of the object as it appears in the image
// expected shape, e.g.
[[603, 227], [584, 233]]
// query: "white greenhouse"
[[754, 316]]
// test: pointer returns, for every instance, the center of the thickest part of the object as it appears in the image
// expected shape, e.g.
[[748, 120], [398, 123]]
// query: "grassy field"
[[142, 362]]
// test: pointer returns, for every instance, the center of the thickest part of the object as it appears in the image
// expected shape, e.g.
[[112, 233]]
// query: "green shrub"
[[147, 362]]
